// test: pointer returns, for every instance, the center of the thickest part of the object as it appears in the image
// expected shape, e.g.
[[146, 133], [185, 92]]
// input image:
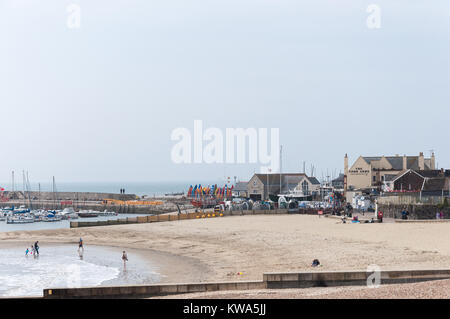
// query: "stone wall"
[[415, 211], [410, 198]]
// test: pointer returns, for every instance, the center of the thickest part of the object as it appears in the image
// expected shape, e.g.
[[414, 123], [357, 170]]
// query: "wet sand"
[[218, 249]]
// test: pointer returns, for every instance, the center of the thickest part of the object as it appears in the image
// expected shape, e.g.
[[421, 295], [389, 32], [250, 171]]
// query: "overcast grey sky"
[[99, 103]]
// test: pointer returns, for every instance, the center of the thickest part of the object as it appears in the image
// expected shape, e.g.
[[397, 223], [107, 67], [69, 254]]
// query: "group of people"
[[440, 215], [81, 250], [34, 249]]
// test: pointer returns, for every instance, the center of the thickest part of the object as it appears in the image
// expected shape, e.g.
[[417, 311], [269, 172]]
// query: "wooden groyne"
[[193, 215]]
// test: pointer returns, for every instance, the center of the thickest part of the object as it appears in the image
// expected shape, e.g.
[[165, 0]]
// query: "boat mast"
[[23, 187], [54, 192], [12, 182], [28, 192], [281, 166]]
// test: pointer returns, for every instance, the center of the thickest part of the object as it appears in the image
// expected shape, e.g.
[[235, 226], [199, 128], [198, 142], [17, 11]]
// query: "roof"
[[340, 178], [401, 174], [434, 184], [412, 162], [389, 177], [434, 173], [313, 180], [289, 178]]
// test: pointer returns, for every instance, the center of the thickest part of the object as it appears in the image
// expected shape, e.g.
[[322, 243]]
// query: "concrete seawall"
[[270, 281], [349, 278]]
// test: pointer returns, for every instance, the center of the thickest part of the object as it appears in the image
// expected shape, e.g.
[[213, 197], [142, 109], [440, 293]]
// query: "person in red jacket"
[[380, 216]]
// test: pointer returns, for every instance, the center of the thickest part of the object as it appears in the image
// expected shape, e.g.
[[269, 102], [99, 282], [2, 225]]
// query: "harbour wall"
[[64, 196], [94, 201], [120, 209], [270, 281]]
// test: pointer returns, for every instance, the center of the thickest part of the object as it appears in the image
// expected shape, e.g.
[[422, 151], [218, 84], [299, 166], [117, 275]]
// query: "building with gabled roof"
[[262, 186], [370, 172], [309, 186], [425, 181], [240, 190]]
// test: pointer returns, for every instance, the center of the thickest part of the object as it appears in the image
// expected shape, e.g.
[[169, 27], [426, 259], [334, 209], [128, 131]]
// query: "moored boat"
[[87, 214], [20, 219]]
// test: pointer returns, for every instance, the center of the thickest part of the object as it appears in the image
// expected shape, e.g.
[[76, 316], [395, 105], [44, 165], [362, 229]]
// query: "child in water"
[[125, 259], [26, 252]]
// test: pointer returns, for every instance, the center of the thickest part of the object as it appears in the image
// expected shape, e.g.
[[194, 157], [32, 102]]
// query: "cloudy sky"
[[99, 102]]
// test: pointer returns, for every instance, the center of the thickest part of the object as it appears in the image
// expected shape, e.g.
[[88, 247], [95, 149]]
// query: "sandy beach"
[[218, 249]]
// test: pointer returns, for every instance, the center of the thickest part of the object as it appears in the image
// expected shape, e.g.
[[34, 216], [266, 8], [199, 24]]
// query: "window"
[[305, 187]]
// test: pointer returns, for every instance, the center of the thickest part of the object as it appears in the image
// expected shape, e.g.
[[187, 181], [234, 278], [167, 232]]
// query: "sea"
[[4, 227], [60, 266], [151, 189]]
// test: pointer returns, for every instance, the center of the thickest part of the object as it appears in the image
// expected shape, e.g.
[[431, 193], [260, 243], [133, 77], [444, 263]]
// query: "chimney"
[[346, 164], [405, 163], [421, 162], [345, 171], [433, 161]]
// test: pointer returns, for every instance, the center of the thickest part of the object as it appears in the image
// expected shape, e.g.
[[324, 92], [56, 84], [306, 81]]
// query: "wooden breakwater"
[[192, 215]]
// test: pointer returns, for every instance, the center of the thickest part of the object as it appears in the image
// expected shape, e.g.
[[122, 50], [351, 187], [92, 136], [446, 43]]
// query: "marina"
[[29, 221]]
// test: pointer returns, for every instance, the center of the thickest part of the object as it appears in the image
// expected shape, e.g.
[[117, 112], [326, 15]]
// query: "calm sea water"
[[150, 189], [4, 227], [60, 266]]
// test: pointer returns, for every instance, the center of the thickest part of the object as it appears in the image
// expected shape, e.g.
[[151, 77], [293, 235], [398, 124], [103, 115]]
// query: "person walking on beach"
[[26, 252], [380, 216], [125, 259]]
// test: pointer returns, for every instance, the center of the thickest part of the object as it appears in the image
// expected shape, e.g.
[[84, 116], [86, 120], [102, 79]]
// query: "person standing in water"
[[80, 244], [80, 248], [36, 247], [124, 259]]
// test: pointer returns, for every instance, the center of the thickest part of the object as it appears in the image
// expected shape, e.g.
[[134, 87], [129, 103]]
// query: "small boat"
[[107, 213], [51, 218], [69, 213], [87, 214], [20, 219]]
